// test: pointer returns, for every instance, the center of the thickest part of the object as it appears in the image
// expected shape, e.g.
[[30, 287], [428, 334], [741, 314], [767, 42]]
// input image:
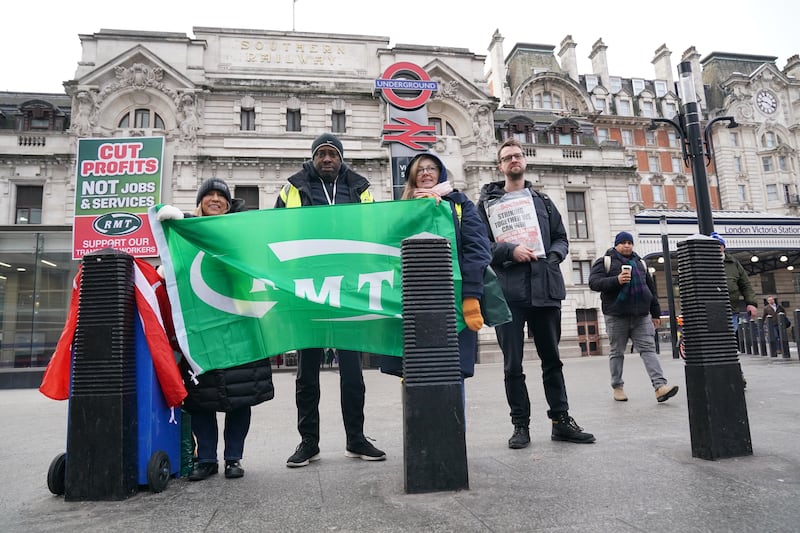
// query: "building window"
[[580, 272], [248, 120], [767, 283], [338, 122], [737, 164], [624, 108], [616, 84], [766, 163], [249, 194], [442, 125], [772, 192], [647, 109], [293, 120], [782, 163], [742, 189], [650, 138], [672, 138], [29, 204], [677, 164], [602, 135], [670, 110], [591, 82], [768, 140], [142, 118], [681, 195], [660, 87], [547, 100], [796, 281], [576, 213], [600, 104], [627, 137], [734, 139], [652, 162], [634, 193], [638, 85], [658, 194]]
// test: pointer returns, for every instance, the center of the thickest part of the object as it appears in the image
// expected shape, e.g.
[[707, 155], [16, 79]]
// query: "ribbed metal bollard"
[[434, 445], [762, 337], [717, 410], [102, 432]]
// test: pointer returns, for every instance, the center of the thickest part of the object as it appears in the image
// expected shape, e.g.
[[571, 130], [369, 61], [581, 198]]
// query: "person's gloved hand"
[[553, 257], [169, 212], [471, 308]]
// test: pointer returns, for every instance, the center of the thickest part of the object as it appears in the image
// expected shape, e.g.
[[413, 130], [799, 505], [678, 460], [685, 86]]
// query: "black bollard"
[[745, 339], [796, 330], [434, 445], [102, 432], [762, 338], [717, 410], [784, 335]]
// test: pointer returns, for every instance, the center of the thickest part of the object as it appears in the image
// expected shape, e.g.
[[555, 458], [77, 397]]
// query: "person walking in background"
[[773, 309], [327, 180], [738, 283], [631, 310], [231, 390], [528, 242], [739, 287]]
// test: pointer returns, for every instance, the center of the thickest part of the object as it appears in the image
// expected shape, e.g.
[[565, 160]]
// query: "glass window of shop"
[[36, 273]]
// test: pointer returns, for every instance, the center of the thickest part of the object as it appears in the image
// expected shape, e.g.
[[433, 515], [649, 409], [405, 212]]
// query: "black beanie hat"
[[214, 184], [327, 139], [623, 236]]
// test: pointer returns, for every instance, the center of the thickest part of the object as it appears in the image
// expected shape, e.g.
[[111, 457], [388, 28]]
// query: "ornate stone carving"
[[188, 116], [84, 119], [139, 76], [482, 128]]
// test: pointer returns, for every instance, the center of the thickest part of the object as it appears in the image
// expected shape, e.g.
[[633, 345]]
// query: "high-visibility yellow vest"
[[291, 196]]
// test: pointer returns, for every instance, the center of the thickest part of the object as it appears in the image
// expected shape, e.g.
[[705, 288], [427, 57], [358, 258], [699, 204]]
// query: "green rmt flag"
[[248, 285]]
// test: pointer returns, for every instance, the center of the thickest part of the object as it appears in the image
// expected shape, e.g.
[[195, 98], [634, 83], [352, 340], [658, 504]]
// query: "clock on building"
[[766, 102]]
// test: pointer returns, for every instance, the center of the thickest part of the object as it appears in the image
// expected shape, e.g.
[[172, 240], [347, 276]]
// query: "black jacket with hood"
[[349, 185]]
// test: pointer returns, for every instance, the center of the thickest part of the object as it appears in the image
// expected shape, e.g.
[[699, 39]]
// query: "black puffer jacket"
[[230, 388]]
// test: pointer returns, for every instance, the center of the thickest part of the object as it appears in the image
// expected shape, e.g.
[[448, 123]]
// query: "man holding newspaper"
[[529, 242]]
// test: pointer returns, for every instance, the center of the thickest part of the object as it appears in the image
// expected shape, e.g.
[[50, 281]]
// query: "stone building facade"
[[245, 105]]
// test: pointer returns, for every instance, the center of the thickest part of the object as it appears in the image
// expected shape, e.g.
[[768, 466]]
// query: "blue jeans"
[[204, 427], [641, 331]]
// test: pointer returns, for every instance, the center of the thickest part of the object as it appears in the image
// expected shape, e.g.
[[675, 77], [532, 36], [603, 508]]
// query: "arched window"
[[143, 118], [443, 127]]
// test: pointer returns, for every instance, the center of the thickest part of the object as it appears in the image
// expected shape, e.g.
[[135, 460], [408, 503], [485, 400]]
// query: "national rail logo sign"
[[117, 181], [407, 87]]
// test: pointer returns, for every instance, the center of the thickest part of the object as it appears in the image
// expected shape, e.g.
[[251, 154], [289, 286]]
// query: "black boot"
[[565, 428], [520, 439]]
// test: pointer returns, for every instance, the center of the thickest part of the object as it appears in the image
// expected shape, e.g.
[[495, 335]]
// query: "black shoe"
[[304, 453], [364, 450], [565, 428], [520, 439], [203, 471], [233, 469]]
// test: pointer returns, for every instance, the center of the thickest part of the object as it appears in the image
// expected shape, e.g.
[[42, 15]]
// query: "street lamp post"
[[673, 330], [715, 387]]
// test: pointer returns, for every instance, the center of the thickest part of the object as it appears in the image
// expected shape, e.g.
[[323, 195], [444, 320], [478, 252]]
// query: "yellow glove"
[[471, 308]]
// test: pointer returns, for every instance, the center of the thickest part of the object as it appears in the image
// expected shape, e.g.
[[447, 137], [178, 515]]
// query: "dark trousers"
[[544, 323], [351, 391], [204, 427]]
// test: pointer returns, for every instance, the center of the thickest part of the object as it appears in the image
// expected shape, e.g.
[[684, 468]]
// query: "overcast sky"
[[38, 53]]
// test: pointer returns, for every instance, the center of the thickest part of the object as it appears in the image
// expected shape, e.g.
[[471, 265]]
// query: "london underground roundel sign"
[[421, 82]]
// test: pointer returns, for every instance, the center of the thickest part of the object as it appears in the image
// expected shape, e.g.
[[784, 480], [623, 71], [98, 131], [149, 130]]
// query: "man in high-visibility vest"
[[327, 180]]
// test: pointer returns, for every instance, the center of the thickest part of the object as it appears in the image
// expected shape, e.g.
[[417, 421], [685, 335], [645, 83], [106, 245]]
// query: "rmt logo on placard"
[[117, 224]]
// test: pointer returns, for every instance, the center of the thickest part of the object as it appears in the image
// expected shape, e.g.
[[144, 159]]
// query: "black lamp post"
[[673, 330], [696, 144], [715, 387]]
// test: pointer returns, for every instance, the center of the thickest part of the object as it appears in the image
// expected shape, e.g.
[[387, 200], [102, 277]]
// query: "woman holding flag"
[[231, 390]]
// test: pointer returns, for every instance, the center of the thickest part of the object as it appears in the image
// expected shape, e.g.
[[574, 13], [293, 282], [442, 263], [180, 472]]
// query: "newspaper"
[[512, 218]]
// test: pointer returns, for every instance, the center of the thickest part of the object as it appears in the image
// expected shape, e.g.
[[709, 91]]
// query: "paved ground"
[[639, 476]]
